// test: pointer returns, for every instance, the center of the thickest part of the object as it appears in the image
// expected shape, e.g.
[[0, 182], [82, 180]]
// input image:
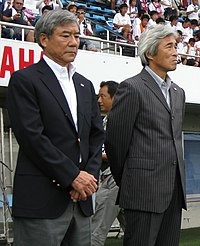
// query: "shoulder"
[[7, 12]]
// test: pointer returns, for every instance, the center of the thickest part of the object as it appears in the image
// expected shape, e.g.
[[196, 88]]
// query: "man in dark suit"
[[144, 145], [56, 120]]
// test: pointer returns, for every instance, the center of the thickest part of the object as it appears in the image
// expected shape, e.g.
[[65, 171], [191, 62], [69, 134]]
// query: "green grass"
[[189, 237]]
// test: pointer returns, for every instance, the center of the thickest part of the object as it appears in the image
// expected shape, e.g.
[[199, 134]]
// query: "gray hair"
[[49, 21], [150, 39]]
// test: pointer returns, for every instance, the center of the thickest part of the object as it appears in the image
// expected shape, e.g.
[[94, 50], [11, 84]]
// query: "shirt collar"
[[58, 70], [167, 82]]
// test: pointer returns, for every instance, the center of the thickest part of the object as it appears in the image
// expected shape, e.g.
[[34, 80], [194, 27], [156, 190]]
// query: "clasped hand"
[[84, 185]]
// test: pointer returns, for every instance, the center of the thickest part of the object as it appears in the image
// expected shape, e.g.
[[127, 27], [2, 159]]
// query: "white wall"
[[96, 66]]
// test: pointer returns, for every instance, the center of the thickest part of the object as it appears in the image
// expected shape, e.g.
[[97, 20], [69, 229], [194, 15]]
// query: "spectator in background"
[[173, 22], [190, 49], [187, 32], [132, 10], [144, 5], [139, 29], [122, 22], [53, 3], [16, 15], [105, 209], [85, 29], [197, 40], [72, 7], [138, 19], [156, 5], [153, 17], [193, 10], [194, 25], [6, 32], [160, 21], [180, 45], [5, 4], [46, 9]]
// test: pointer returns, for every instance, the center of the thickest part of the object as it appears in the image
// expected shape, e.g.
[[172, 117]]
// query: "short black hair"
[[160, 20], [153, 12], [48, 7], [81, 7], [112, 87], [145, 16], [123, 5]]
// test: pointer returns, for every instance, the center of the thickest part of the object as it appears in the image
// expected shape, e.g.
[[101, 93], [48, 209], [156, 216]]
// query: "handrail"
[[92, 38]]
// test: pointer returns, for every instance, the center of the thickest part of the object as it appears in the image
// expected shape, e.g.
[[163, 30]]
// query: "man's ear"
[[149, 56], [43, 39]]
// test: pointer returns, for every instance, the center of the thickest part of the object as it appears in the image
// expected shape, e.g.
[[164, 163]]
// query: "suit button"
[[172, 117], [174, 163], [58, 185], [53, 181], [79, 140]]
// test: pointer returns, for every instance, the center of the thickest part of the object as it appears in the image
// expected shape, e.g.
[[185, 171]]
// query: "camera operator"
[[85, 29]]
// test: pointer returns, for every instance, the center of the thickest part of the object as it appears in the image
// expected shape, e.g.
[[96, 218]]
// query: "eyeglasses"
[[81, 13], [19, 3]]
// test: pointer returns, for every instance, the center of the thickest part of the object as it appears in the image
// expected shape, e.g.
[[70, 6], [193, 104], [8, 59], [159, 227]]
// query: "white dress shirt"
[[64, 76]]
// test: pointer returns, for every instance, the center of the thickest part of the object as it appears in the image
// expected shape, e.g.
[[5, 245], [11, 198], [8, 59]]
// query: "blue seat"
[[99, 18], [109, 24], [94, 8], [87, 15], [99, 29]]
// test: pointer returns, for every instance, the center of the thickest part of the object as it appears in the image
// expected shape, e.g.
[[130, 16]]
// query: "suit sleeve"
[[96, 138], [41, 155], [120, 127]]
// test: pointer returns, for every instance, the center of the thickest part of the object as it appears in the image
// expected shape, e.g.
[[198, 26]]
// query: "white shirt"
[[193, 15], [122, 20], [64, 77], [82, 28], [187, 33], [151, 23], [164, 85], [192, 51]]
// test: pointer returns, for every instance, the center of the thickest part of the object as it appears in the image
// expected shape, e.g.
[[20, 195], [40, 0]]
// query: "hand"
[[104, 156], [85, 184], [16, 16], [75, 196]]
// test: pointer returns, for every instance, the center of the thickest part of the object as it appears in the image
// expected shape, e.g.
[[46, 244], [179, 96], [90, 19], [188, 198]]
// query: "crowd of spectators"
[[131, 19]]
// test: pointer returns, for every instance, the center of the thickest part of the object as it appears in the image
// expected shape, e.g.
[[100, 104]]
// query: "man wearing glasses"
[[16, 15], [85, 29]]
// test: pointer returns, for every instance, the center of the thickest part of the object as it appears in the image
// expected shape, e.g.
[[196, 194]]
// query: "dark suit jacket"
[[144, 143], [50, 146]]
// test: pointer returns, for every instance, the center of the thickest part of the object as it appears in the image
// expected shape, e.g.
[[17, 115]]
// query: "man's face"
[[62, 45], [144, 22], [166, 58], [104, 100], [18, 4]]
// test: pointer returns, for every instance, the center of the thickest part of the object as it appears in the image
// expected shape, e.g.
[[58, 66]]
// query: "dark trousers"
[[155, 229]]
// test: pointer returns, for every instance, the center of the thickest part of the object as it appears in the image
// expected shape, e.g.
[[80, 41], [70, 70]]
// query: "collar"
[[167, 82], [58, 70]]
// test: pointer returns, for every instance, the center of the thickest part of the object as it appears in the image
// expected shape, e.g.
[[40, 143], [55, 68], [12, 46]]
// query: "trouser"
[[106, 211], [72, 228], [155, 229]]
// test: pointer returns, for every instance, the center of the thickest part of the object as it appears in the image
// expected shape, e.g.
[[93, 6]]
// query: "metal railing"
[[105, 45]]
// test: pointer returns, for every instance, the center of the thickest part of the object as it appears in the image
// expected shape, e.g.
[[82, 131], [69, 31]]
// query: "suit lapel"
[[173, 97], [153, 86], [51, 82], [80, 92]]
